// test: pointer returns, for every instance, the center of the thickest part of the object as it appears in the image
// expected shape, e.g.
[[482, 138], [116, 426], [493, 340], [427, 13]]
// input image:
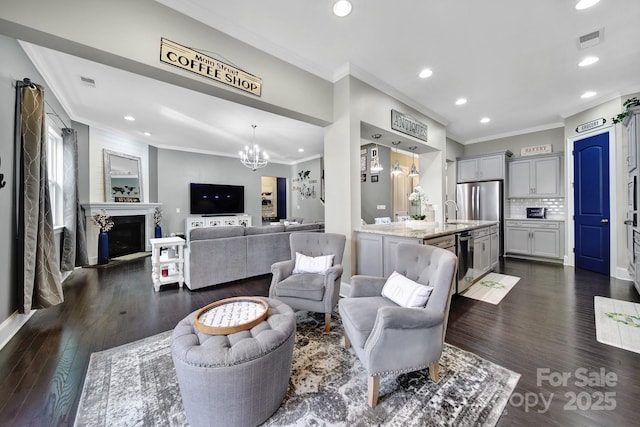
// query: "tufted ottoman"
[[238, 379]]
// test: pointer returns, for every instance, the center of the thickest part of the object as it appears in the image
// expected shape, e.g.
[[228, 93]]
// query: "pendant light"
[[414, 169], [396, 165]]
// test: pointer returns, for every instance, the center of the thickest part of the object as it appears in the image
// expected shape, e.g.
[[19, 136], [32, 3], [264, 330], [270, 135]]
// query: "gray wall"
[[153, 174], [310, 208], [555, 137], [176, 169], [82, 131], [377, 193], [15, 65]]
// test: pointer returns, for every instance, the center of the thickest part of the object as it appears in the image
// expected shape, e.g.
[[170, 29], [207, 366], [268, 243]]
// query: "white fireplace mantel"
[[117, 209]]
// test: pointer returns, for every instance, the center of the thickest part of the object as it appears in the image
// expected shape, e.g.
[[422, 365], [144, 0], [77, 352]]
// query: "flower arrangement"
[[103, 221], [157, 216], [418, 198]]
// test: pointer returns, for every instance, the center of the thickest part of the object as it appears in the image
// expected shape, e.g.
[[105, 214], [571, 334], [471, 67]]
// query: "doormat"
[[491, 288], [136, 385], [617, 323]]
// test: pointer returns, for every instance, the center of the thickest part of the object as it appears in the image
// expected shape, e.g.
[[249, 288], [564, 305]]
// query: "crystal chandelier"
[[253, 158], [397, 170]]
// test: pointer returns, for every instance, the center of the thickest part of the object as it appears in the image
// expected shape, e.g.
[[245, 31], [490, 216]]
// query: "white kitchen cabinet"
[[535, 177], [376, 254], [494, 238], [632, 123], [481, 255], [535, 238], [482, 168]]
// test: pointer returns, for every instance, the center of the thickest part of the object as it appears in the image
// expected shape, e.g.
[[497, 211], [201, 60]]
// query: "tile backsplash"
[[517, 208]]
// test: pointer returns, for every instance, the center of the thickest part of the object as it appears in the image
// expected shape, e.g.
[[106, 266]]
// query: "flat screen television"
[[216, 199]]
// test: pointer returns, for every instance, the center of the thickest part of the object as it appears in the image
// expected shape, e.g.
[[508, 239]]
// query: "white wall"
[[99, 140]]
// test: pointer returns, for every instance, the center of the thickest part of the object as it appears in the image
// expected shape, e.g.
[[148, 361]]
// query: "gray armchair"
[[388, 338], [309, 291]]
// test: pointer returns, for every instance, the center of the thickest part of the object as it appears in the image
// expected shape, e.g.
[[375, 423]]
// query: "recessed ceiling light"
[[425, 73], [585, 4], [588, 94], [461, 101], [130, 118], [300, 150], [485, 120], [147, 134], [342, 8], [589, 60]]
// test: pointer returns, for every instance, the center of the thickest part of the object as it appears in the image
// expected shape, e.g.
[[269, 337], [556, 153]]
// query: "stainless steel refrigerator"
[[482, 201]]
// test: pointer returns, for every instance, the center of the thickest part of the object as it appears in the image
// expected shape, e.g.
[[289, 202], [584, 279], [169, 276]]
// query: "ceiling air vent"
[[88, 81], [591, 39]]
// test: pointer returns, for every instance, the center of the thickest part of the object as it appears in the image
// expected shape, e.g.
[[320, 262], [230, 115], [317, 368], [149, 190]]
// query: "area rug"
[[491, 288], [136, 385], [617, 323]]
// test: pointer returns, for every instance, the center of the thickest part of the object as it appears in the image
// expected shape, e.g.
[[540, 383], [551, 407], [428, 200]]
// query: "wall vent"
[[591, 39], [88, 81]]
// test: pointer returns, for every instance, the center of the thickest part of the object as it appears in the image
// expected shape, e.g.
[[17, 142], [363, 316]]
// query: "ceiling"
[[517, 65]]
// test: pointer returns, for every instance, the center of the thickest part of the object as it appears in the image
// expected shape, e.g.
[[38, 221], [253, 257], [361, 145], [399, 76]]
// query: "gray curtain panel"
[[74, 244], [39, 282]]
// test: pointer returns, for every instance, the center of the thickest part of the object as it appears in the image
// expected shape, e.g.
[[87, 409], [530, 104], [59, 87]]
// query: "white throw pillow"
[[307, 264], [405, 292]]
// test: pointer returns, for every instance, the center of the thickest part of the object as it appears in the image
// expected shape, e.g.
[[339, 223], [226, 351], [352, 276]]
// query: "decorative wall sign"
[[591, 125], [363, 177], [408, 125], [189, 59], [536, 149], [374, 152]]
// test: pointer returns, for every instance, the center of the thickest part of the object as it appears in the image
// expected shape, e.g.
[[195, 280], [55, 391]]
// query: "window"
[[55, 174]]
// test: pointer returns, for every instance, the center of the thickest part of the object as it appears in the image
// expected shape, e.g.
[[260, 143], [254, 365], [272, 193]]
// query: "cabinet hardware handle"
[[604, 221]]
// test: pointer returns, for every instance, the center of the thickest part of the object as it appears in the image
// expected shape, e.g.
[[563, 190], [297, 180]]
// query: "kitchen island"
[[476, 243]]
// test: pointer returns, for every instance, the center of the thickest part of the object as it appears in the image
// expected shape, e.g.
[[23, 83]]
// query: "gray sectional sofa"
[[223, 254]]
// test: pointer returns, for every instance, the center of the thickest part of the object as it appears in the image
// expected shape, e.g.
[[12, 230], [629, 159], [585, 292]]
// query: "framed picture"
[[363, 163], [363, 177], [374, 178], [374, 152]]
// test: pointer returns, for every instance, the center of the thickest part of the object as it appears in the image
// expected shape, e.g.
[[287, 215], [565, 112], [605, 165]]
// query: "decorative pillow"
[[405, 292], [307, 264]]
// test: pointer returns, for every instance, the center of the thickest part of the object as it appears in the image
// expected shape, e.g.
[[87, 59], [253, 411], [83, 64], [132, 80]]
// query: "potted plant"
[[628, 105], [105, 223], [418, 198], [157, 218]]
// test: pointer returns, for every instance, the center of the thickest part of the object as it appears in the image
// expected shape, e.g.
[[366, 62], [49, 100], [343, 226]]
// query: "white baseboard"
[[623, 274], [12, 325]]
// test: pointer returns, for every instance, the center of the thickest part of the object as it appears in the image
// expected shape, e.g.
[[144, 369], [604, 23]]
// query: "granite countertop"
[[428, 230]]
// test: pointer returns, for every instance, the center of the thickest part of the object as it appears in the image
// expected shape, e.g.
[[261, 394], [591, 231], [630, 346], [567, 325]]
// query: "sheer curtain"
[[38, 272], [74, 244]]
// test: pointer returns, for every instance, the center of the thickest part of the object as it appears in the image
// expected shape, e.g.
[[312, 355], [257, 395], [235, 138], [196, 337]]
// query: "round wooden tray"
[[231, 315]]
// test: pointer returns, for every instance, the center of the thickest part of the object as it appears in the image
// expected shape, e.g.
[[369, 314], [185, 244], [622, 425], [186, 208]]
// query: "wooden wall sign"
[[408, 125], [188, 59], [536, 149]]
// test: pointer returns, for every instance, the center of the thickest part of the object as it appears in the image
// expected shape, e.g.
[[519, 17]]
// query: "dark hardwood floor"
[[546, 323]]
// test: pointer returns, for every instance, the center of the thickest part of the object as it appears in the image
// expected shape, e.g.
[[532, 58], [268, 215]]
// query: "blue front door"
[[591, 201]]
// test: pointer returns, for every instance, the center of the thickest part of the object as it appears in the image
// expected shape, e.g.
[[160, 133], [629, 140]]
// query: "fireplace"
[[127, 235], [142, 211]]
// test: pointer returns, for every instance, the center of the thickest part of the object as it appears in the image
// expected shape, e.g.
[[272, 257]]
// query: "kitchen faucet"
[[446, 211]]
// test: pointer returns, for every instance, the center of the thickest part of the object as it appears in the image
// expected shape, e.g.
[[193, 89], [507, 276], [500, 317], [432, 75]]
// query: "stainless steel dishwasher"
[[464, 243]]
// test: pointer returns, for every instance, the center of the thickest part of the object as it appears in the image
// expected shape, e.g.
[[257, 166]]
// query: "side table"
[[157, 264]]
